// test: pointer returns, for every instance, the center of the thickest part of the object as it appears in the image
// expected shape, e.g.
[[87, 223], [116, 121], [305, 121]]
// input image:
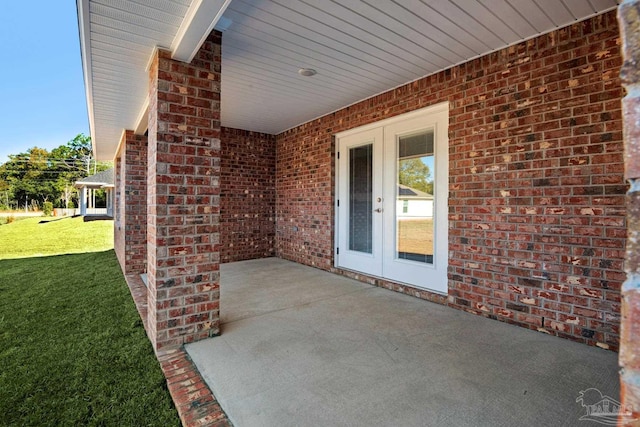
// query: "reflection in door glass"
[[360, 198], [415, 202]]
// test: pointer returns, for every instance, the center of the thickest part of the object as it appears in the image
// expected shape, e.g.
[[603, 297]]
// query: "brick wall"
[[247, 195], [537, 205], [304, 184], [184, 196], [130, 214], [629, 16]]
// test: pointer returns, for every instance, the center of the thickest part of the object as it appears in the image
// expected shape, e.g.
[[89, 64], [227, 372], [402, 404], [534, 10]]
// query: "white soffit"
[[358, 47]]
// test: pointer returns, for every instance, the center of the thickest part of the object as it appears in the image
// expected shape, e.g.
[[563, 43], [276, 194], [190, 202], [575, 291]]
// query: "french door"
[[391, 199]]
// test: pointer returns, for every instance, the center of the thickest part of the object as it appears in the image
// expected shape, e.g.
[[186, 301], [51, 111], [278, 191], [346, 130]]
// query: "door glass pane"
[[415, 202], [360, 198]]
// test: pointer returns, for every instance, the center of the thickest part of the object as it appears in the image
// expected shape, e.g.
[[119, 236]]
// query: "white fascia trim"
[[199, 21], [115, 155], [84, 21], [153, 55], [142, 122]]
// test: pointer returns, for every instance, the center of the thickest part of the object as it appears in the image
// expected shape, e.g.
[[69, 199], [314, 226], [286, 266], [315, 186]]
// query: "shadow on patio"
[[301, 346]]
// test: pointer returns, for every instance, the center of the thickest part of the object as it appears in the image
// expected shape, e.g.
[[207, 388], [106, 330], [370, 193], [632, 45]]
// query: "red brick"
[[130, 225], [247, 182], [177, 201]]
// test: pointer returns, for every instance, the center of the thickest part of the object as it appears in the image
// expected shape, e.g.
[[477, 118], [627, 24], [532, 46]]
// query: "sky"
[[41, 82]]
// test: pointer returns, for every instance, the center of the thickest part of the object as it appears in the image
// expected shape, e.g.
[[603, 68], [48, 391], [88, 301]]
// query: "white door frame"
[[370, 262], [436, 279]]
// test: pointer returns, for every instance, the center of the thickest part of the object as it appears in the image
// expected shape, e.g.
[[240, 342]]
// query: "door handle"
[[379, 210]]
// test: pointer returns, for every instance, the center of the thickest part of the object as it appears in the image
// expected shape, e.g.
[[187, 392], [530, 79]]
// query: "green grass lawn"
[[33, 237], [72, 347]]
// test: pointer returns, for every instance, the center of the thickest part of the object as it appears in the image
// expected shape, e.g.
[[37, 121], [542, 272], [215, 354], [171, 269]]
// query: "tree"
[[73, 161], [79, 162], [75, 156], [26, 174], [5, 189], [415, 174], [40, 176]]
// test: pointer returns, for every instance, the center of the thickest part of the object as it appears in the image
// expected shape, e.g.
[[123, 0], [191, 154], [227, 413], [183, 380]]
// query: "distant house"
[[88, 186], [412, 203]]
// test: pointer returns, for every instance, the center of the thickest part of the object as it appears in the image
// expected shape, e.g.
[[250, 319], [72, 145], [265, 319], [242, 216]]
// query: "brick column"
[[118, 208], [184, 196], [629, 19], [130, 210], [118, 190]]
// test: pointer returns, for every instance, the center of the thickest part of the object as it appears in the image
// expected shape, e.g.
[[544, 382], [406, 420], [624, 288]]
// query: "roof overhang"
[[117, 40], [80, 184], [359, 49]]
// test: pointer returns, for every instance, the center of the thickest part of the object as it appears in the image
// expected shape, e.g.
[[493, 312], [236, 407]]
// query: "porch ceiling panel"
[[362, 47], [121, 37], [358, 47]]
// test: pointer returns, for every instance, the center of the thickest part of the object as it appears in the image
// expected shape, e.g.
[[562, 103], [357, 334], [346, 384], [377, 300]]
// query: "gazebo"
[[88, 186]]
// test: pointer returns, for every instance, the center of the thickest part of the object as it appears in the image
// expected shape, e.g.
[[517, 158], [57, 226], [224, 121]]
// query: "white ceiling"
[[359, 48]]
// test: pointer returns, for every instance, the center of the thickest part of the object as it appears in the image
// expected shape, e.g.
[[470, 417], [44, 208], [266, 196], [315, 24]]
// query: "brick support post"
[[118, 208], [184, 197], [629, 19], [130, 210]]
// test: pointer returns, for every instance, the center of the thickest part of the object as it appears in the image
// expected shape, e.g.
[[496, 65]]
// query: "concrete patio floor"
[[303, 347]]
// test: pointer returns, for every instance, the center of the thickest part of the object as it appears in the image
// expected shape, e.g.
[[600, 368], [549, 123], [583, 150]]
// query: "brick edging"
[[194, 400], [192, 397]]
